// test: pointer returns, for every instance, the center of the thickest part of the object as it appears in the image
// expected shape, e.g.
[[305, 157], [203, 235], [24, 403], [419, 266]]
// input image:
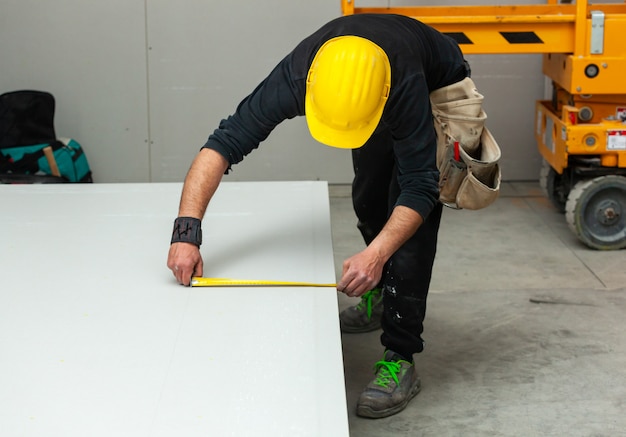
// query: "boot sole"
[[365, 411]]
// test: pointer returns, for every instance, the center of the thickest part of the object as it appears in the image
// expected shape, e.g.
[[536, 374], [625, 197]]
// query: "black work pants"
[[407, 274]]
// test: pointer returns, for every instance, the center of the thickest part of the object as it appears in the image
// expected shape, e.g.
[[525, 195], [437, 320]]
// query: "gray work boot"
[[396, 383], [365, 316]]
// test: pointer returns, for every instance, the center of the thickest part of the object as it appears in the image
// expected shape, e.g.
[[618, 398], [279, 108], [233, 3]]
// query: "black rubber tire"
[[553, 188], [596, 212]]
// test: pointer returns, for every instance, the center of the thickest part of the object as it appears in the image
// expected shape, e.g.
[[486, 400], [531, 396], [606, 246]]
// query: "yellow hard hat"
[[346, 90]]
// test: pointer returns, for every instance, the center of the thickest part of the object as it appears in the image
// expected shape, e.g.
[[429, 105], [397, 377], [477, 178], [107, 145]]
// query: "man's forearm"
[[401, 226], [203, 178], [361, 272]]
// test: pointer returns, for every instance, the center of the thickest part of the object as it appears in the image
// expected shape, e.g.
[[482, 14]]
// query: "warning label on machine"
[[616, 139]]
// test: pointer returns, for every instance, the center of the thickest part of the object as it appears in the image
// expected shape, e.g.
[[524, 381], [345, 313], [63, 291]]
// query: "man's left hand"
[[361, 273]]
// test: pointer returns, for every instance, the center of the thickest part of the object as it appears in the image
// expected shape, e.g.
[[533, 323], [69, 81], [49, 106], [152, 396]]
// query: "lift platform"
[[581, 131]]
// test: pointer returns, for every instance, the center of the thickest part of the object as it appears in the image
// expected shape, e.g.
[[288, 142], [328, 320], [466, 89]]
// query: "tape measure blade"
[[227, 282]]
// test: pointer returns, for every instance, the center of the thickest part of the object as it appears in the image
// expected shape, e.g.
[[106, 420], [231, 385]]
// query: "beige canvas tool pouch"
[[481, 186], [467, 153]]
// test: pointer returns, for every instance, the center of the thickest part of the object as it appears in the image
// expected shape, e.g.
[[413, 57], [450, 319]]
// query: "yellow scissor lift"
[[581, 132]]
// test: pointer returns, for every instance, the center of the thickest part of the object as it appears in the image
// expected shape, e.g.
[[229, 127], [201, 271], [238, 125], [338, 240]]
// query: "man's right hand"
[[202, 180], [185, 261]]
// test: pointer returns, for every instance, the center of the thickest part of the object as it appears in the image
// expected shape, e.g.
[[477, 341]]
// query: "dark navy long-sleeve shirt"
[[422, 60]]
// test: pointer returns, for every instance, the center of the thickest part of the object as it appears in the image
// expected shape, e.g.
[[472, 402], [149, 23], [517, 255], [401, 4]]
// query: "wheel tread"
[[574, 215]]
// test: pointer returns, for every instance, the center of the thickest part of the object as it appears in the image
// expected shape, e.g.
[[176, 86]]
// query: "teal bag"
[[63, 160], [30, 151]]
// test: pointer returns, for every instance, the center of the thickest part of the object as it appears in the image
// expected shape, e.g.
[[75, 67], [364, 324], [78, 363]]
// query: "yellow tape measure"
[[227, 282]]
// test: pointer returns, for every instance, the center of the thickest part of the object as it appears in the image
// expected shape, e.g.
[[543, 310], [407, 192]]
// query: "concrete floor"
[[525, 328]]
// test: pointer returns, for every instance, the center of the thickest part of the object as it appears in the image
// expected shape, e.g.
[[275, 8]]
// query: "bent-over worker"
[[363, 83]]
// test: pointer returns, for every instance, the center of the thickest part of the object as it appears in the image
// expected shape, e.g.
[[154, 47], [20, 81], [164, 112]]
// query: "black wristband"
[[187, 230]]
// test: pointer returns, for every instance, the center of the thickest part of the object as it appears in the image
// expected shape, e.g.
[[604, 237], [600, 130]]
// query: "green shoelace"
[[387, 371], [366, 301]]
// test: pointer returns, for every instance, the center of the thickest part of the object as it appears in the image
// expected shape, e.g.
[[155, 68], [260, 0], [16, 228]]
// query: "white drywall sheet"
[[97, 339]]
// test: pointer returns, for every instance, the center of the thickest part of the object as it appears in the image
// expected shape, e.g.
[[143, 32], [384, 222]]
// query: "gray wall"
[[142, 83]]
